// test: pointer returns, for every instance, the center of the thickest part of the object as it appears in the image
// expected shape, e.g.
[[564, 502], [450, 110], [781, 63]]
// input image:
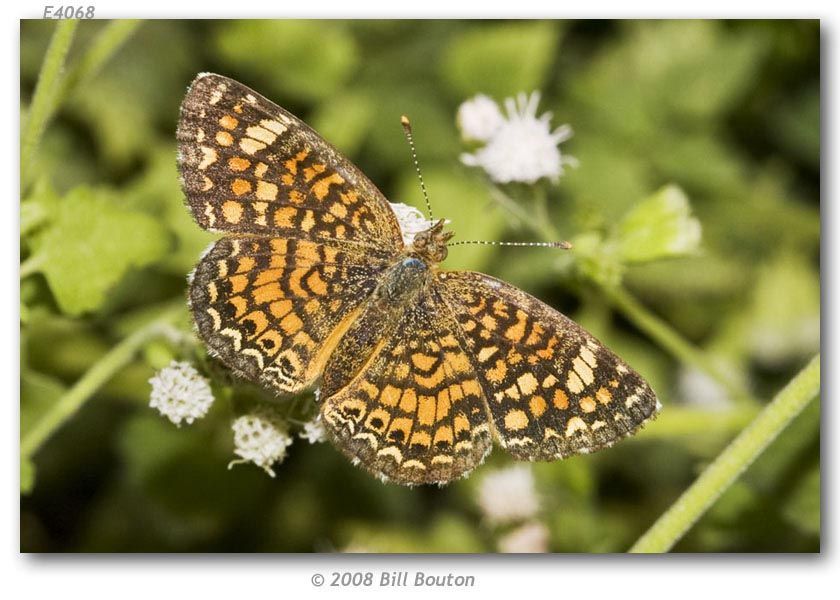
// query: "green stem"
[[673, 342], [107, 42], [99, 374], [726, 468], [47, 88]]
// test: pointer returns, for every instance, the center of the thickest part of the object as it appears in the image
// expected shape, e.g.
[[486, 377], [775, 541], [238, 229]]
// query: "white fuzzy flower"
[[313, 431], [523, 148], [180, 393], [529, 538], [508, 495], [479, 118], [411, 221], [262, 438]]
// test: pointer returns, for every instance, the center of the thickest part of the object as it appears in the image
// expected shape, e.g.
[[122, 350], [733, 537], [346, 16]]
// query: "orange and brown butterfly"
[[419, 369]]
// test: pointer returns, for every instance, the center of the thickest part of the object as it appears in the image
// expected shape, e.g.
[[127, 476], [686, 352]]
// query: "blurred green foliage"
[[727, 111]]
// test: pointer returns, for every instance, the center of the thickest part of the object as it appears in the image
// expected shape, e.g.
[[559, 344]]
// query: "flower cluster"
[[262, 438], [180, 393], [508, 495], [519, 147]]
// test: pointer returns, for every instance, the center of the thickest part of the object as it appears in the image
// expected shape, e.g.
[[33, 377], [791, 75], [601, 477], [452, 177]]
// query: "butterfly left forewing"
[[552, 388], [250, 167]]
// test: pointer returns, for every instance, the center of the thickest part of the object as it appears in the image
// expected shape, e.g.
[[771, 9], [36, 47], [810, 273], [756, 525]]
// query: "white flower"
[[313, 431], [180, 393], [529, 538], [698, 389], [479, 118], [523, 148], [262, 438], [411, 221], [508, 495]]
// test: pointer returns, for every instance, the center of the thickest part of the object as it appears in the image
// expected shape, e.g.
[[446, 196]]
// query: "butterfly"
[[419, 370]]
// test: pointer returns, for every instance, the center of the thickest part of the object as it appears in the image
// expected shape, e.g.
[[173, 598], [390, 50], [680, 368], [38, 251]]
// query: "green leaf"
[[91, 244], [660, 227], [308, 60], [500, 59]]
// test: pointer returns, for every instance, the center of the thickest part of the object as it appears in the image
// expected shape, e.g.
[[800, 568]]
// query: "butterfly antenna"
[[406, 125], [561, 245]]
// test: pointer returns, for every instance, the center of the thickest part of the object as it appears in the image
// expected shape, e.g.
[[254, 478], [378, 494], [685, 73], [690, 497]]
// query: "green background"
[[727, 111]]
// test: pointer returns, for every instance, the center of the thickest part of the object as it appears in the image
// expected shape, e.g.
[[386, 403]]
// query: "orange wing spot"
[[587, 404], [455, 392], [260, 170], [426, 410], [574, 425], [603, 395], [229, 122], [308, 221], [322, 187], [462, 423], [349, 197], [537, 404], [309, 173], [613, 383], [268, 293], [280, 308], [232, 211], [560, 400], [432, 380], [268, 276], [444, 435], [291, 323], [245, 264], [208, 184], [368, 388], [223, 138], [516, 419], [458, 362], [237, 108], [488, 322], [401, 424], [378, 420], [294, 283], [316, 284], [390, 395], [278, 246], [241, 305], [515, 332], [312, 307], [527, 383], [423, 361], [340, 231], [512, 392], [408, 402], [296, 197], [259, 319], [238, 164], [485, 353], [471, 388], [288, 179], [498, 372], [443, 405], [420, 438], [283, 217], [240, 186], [339, 210], [238, 283], [270, 342]]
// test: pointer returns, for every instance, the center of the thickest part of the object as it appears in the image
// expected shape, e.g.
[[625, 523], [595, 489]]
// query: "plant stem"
[[673, 342], [644, 319], [730, 463], [43, 99], [109, 39], [107, 366]]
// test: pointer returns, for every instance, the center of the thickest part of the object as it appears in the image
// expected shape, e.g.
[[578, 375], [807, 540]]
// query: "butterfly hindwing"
[[414, 412], [552, 388], [272, 309], [250, 167]]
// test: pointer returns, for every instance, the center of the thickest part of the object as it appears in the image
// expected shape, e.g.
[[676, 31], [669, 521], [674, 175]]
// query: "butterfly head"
[[430, 245]]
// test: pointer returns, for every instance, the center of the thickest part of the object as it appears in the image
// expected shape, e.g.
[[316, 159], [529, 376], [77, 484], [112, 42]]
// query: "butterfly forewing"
[[248, 166], [552, 388]]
